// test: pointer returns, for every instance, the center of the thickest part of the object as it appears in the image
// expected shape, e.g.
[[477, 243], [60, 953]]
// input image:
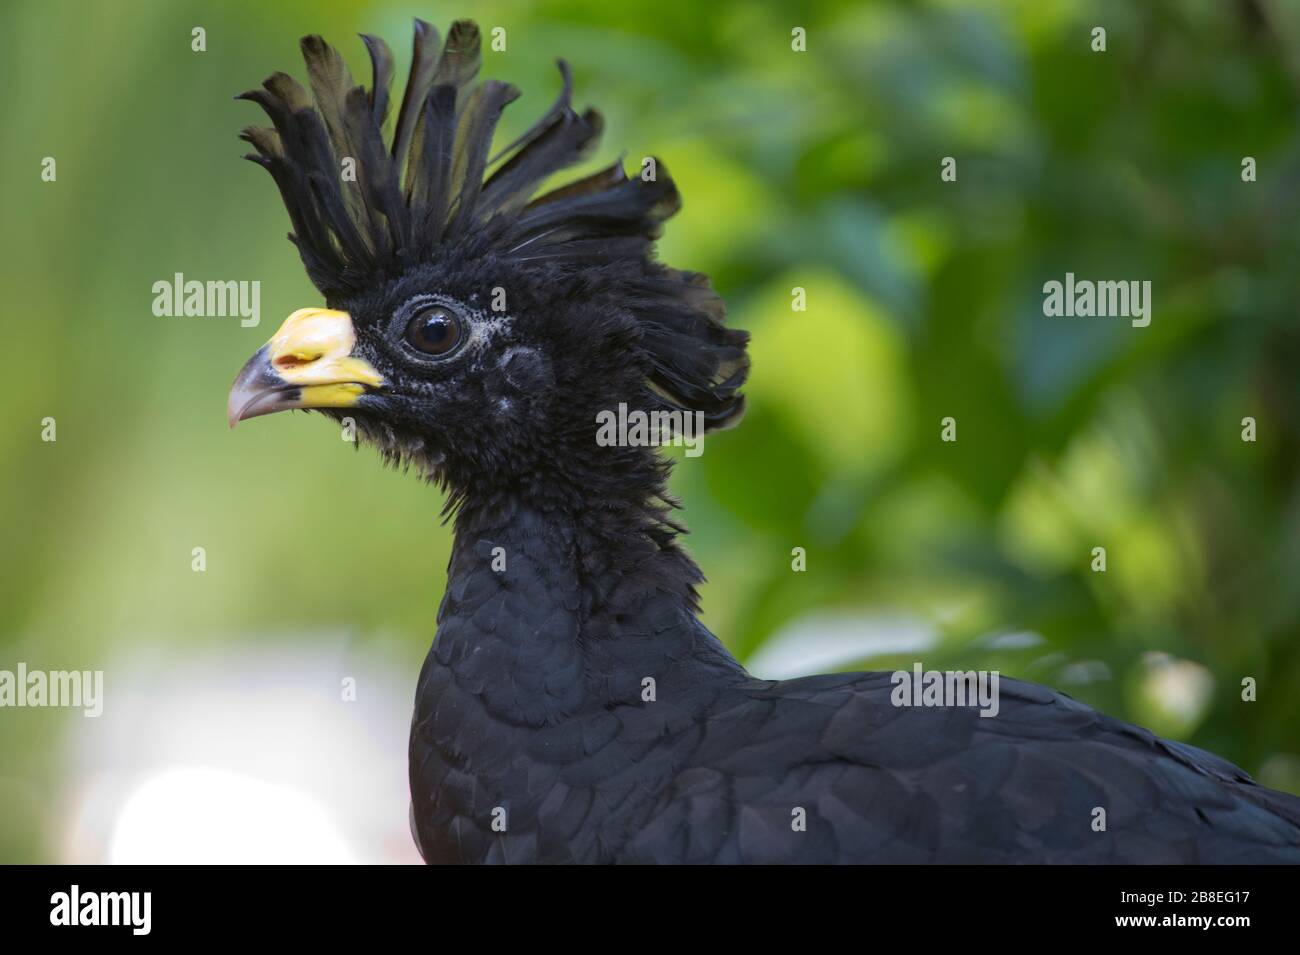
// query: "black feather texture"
[[435, 183]]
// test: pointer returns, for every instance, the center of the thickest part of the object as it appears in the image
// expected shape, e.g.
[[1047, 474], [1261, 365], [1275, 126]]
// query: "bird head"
[[469, 326]]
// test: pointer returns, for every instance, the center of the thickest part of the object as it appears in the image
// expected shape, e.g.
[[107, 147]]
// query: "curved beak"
[[308, 363]]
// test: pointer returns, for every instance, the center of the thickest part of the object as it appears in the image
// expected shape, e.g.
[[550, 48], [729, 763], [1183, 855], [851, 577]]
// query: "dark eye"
[[434, 331]]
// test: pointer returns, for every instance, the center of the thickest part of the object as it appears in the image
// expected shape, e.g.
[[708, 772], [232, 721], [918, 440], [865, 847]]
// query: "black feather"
[[381, 61], [427, 192], [423, 62]]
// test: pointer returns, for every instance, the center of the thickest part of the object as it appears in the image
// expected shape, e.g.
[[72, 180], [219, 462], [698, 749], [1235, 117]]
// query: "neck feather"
[[553, 611]]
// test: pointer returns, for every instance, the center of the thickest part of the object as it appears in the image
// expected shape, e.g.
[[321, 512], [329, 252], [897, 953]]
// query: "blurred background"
[[226, 734]]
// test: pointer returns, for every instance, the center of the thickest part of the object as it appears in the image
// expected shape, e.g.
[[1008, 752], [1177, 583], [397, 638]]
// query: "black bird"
[[573, 708]]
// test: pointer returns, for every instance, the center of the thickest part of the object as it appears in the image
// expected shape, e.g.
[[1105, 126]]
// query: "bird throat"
[[538, 601]]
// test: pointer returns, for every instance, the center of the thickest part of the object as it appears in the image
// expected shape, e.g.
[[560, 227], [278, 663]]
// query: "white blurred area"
[[247, 755], [821, 642]]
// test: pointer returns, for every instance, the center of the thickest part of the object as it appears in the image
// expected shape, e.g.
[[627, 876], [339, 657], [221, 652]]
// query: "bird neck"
[[555, 611]]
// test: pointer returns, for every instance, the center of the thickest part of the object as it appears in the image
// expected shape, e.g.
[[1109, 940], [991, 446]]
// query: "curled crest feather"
[[434, 183]]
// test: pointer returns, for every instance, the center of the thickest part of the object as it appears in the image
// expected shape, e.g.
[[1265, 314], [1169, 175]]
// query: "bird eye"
[[434, 331]]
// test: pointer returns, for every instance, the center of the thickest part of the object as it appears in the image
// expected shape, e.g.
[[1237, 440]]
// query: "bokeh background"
[[224, 735]]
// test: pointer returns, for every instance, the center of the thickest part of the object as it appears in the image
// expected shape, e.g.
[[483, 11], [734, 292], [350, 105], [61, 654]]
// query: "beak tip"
[[235, 405]]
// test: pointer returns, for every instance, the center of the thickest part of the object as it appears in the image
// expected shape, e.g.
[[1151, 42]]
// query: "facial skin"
[[413, 359], [433, 375]]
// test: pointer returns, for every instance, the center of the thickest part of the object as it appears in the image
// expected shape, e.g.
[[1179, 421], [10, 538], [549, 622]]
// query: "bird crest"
[[367, 207]]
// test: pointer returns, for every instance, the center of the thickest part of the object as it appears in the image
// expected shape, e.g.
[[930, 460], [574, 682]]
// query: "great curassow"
[[572, 707]]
